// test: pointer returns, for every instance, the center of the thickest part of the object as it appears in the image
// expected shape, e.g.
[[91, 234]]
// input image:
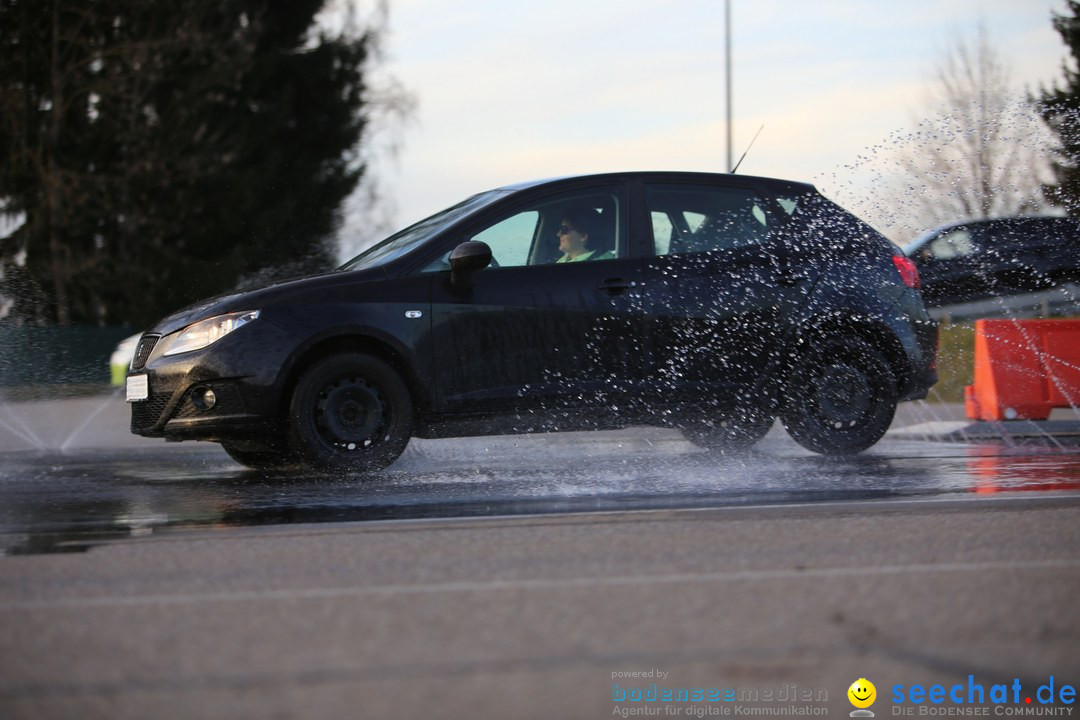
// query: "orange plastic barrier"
[[1024, 369]]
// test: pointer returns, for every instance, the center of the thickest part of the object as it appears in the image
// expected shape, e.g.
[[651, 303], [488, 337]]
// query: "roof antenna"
[[735, 169]]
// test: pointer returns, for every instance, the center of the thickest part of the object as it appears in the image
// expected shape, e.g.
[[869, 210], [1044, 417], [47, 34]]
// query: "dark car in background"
[[984, 258], [710, 303]]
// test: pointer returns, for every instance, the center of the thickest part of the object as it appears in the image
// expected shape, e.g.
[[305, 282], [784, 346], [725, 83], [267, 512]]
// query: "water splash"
[[64, 423], [18, 427], [94, 414]]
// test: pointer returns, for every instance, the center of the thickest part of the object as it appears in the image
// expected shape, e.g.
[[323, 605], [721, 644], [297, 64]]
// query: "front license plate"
[[138, 388]]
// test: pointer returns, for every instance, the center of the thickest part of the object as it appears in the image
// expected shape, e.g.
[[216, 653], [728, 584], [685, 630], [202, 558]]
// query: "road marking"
[[532, 584]]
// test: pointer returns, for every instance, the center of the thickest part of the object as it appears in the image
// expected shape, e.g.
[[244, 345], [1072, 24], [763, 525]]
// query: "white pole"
[[727, 70]]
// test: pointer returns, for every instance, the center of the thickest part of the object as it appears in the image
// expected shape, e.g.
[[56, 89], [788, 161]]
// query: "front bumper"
[[245, 371]]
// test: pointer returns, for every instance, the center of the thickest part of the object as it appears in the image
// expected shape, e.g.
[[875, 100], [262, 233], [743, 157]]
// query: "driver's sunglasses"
[[564, 230]]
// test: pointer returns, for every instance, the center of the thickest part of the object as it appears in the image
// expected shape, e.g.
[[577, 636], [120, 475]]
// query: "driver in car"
[[580, 236]]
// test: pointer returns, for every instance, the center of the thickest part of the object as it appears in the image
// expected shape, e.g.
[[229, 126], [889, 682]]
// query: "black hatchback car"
[[710, 303], [984, 258]]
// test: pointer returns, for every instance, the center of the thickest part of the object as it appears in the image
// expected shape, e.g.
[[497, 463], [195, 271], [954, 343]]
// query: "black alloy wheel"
[[841, 397], [350, 412]]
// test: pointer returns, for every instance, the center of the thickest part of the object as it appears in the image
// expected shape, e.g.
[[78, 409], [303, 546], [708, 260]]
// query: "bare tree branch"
[[979, 151]]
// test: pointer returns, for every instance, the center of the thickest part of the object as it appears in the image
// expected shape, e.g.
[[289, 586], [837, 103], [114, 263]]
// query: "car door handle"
[[616, 286]]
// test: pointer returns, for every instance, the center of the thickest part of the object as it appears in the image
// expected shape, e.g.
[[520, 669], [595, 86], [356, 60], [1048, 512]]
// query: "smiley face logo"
[[862, 693]]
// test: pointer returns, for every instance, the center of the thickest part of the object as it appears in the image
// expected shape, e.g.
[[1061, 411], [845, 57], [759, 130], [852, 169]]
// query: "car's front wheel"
[[350, 412], [841, 397]]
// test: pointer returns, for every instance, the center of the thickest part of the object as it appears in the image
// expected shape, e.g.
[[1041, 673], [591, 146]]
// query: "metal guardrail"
[[1056, 302]]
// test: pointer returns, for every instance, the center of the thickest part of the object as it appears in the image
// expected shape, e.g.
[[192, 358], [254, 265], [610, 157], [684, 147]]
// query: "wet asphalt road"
[[68, 501], [513, 577], [71, 475]]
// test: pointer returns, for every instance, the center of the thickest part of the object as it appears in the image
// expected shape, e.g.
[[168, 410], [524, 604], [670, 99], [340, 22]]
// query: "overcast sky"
[[511, 91]]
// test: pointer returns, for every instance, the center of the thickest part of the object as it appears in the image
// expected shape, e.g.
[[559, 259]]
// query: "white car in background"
[[120, 360]]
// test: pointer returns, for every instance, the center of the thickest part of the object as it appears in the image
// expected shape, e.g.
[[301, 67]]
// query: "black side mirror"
[[467, 258]]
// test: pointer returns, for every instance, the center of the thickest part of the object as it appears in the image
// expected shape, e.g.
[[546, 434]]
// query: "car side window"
[[702, 219], [662, 231], [511, 239], [956, 243], [570, 227]]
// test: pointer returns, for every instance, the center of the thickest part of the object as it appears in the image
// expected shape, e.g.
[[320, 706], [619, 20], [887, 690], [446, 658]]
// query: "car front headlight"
[[207, 332]]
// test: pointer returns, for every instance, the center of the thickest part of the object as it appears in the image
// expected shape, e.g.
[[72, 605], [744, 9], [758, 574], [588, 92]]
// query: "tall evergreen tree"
[[162, 152], [1060, 108]]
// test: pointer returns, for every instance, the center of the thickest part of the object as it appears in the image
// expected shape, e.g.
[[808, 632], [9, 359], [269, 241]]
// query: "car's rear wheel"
[[733, 432], [350, 412], [841, 397]]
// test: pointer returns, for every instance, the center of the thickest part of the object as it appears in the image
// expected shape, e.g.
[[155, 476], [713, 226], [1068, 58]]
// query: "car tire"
[[731, 433], [841, 397], [350, 413], [258, 456]]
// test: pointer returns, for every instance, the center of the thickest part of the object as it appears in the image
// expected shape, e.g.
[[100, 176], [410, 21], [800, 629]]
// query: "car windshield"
[[403, 241]]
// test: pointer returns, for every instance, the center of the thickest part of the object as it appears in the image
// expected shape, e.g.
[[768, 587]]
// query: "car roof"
[[673, 176]]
